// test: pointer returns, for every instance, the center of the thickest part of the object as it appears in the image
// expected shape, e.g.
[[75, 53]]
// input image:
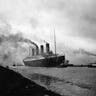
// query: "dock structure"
[[13, 83]]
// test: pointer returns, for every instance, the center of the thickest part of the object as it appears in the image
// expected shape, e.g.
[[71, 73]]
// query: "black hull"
[[46, 62]]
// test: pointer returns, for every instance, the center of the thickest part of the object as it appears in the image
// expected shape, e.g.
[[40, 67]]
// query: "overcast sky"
[[74, 21]]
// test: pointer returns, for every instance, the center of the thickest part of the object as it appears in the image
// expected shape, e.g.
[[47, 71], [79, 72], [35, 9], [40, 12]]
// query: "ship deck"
[[34, 58], [40, 57]]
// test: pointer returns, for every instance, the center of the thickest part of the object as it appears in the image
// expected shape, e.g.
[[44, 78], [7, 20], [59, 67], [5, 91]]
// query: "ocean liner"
[[44, 59], [39, 58]]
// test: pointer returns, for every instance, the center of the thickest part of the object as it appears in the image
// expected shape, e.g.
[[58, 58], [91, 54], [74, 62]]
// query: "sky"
[[73, 21]]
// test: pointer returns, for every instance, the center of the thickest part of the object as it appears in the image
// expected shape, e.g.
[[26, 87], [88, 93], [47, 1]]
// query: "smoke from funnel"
[[13, 47]]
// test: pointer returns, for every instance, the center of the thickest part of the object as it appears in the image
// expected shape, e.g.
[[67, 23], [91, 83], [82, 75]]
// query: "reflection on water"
[[46, 80]]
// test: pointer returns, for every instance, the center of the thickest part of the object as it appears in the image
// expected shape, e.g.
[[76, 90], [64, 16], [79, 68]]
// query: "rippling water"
[[71, 81]]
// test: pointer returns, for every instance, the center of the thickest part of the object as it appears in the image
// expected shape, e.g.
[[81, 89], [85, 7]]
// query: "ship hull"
[[46, 62]]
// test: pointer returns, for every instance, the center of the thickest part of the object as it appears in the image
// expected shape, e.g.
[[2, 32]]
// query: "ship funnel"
[[37, 50], [42, 49], [47, 48], [33, 52]]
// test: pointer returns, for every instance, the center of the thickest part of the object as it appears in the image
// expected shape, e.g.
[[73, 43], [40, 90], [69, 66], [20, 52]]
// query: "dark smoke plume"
[[13, 47]]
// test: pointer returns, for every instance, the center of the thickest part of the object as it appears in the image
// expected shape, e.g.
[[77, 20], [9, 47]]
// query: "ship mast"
[[55, 42]]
